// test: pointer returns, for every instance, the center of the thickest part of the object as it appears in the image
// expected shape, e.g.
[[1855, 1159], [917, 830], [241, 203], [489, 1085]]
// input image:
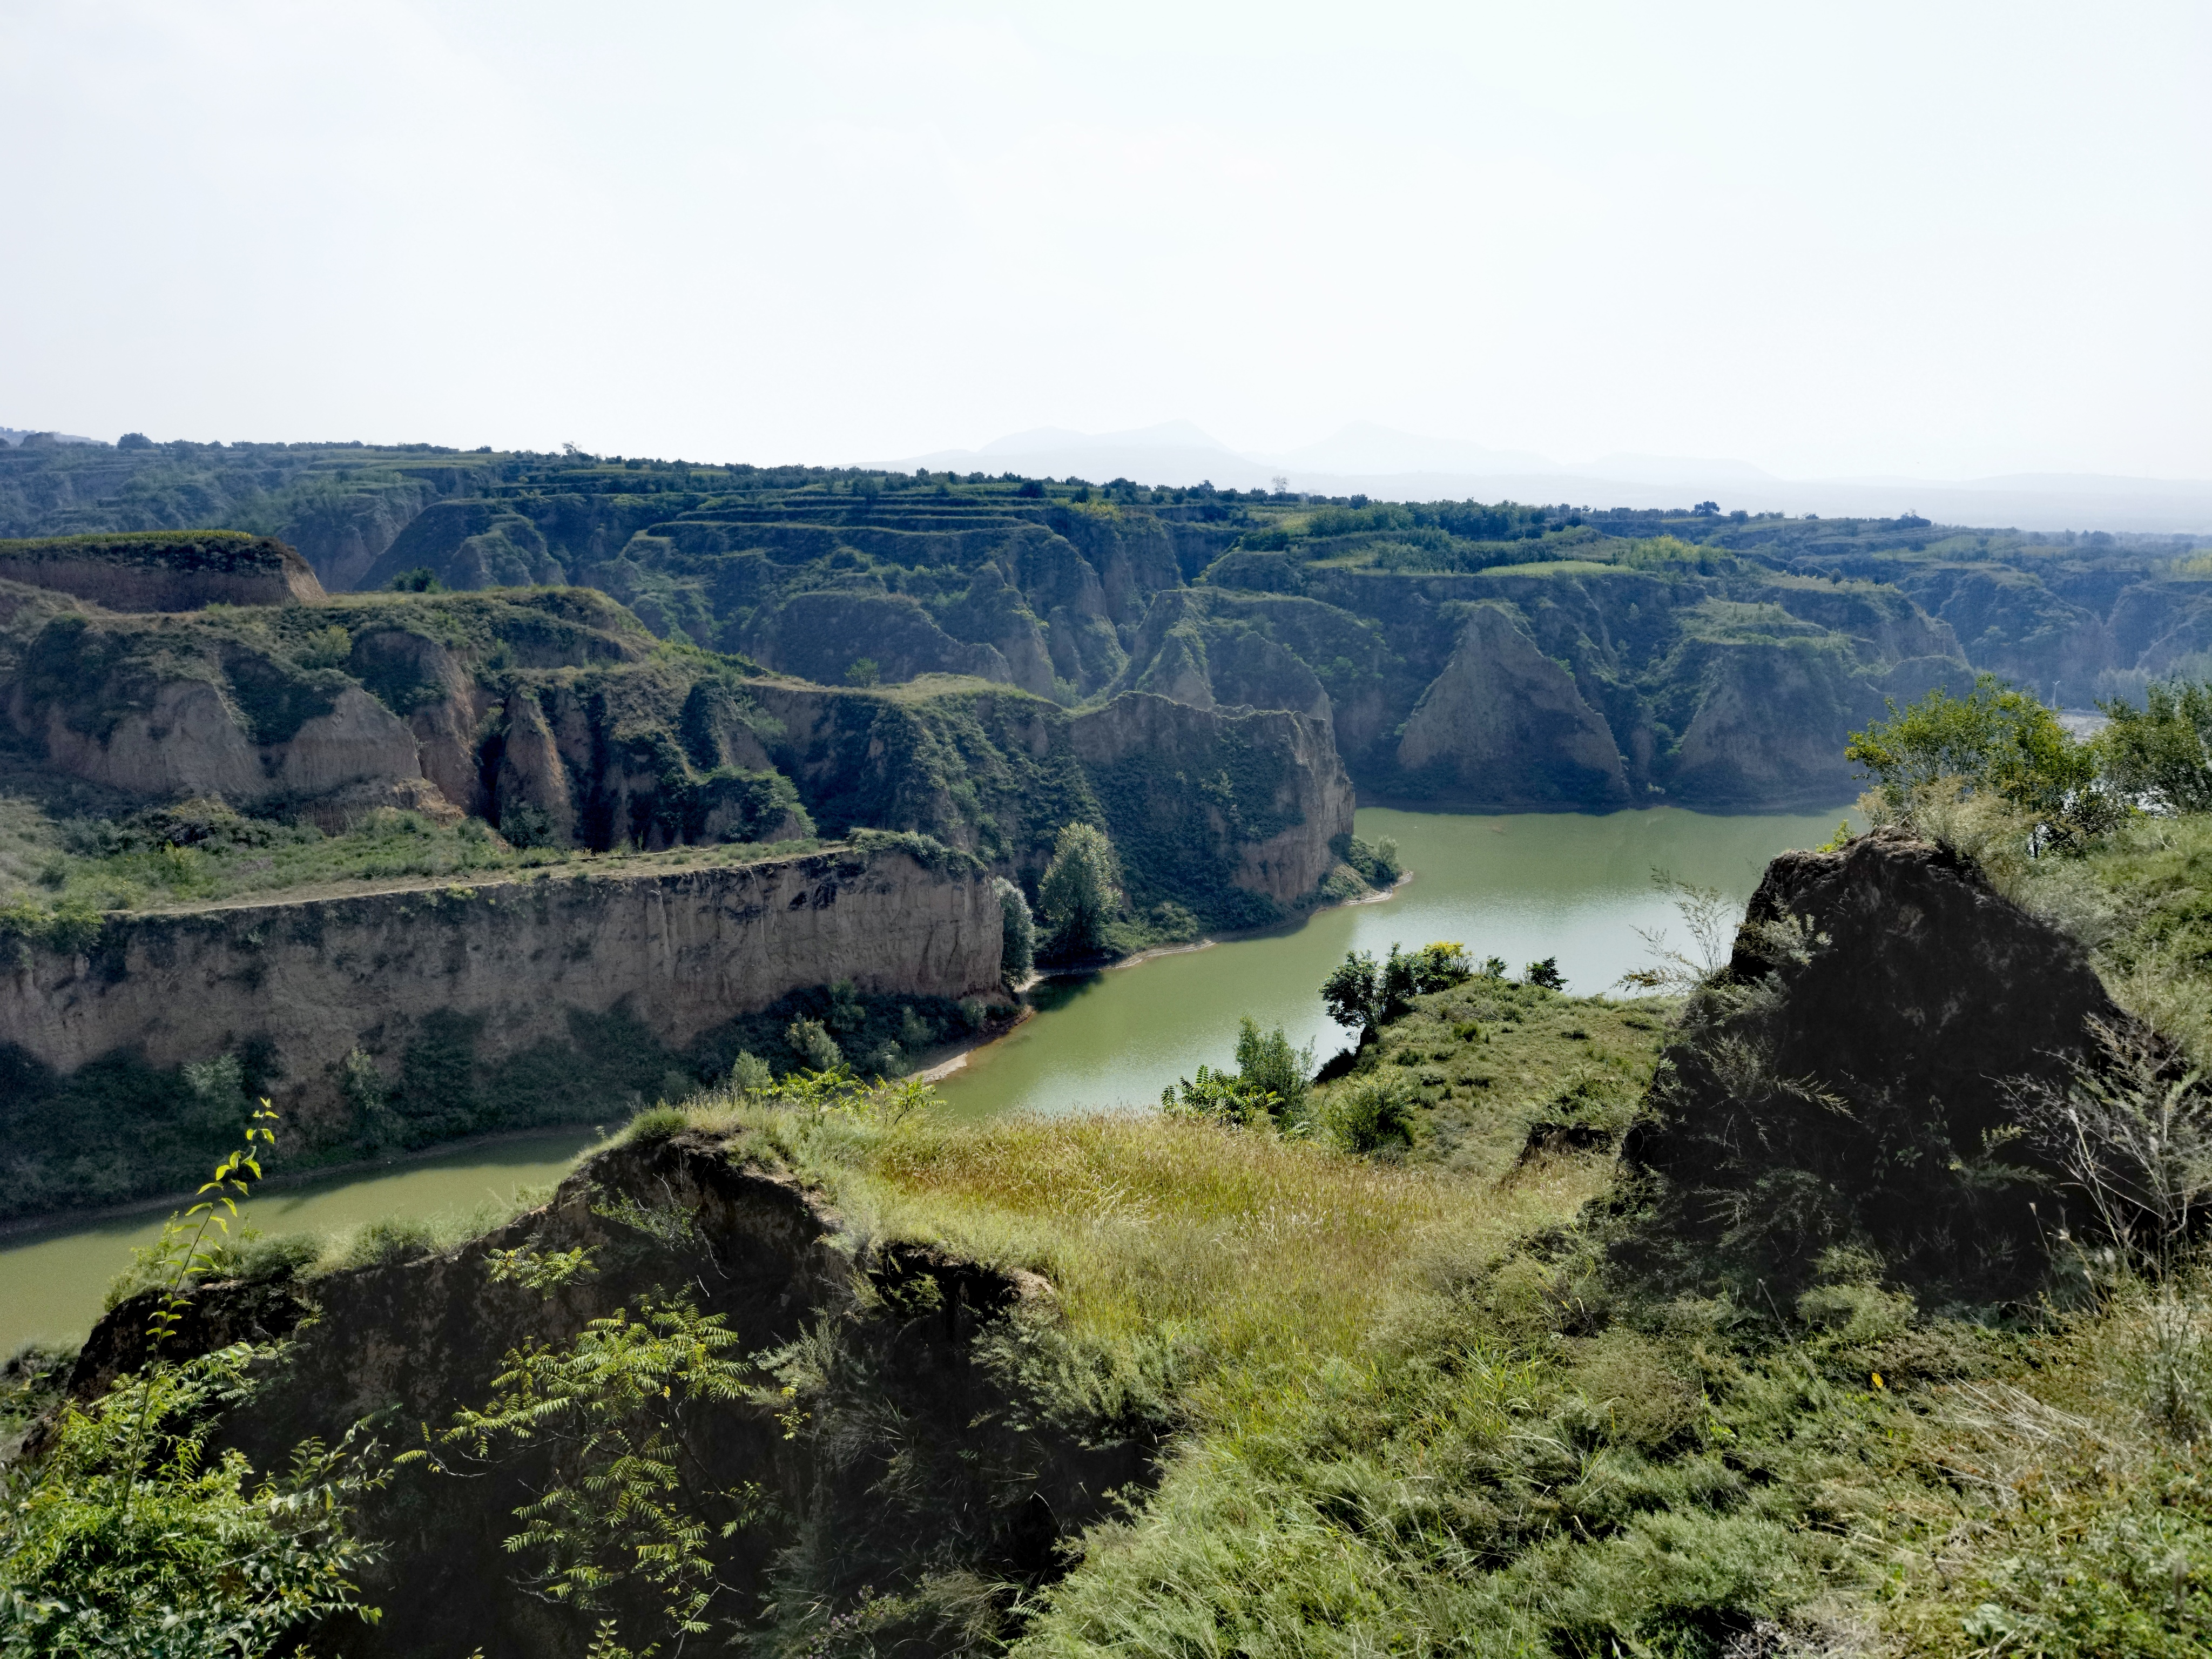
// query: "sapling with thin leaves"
[[627, 1502], [2133, 1129], [1711, 917], [181, 1259], [126, 1534]]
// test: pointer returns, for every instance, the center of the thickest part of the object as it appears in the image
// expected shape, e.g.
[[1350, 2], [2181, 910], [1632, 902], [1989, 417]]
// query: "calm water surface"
[[51, 1283], [1521, 887]]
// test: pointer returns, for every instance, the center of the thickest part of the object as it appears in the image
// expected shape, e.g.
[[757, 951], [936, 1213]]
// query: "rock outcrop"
[[1771, 721], [1859, 1081], [821, 636], [1213, 809], [164, 570], [1257, 794], [161, 709], [497, 986]]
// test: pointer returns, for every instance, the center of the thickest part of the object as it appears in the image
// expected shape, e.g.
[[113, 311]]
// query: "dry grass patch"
[[1249, 1251]]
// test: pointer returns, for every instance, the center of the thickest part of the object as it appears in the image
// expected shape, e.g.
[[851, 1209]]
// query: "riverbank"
[[1525, 887]]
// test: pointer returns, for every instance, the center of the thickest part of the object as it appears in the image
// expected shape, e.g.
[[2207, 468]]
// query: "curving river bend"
[[1523, 887]]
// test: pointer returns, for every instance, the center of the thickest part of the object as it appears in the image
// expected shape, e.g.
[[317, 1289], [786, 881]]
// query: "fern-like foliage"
[[627, 1503]]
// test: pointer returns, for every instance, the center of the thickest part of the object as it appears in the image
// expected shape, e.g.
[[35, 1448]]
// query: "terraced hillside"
[[1493, 655]]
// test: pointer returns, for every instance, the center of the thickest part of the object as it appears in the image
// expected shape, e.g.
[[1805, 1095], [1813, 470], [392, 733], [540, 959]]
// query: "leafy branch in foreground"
[[178, 1258], [121, 1536], [206, 1562], [619, 1413]]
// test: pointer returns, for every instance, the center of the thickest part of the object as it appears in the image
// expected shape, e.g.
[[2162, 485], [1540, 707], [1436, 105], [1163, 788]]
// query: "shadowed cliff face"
[[895, 1381], [1256, 795], [1856, 1080], [1228, 811]]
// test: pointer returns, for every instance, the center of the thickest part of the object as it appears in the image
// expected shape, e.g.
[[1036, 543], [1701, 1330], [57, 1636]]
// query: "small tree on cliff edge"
[[1361, 996], [1081, 891]]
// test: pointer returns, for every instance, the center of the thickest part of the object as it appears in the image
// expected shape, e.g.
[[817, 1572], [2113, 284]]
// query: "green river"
[[1522, 887]]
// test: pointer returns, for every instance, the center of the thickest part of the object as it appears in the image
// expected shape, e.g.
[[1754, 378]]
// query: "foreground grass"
[[1410, 1411], [1413, 1411], [1407, 1406]]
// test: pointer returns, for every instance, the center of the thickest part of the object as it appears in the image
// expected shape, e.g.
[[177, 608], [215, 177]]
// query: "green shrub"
[[526, 826], [1222, 1097], [1994, 738], [389, 1239], [2162, 750], [816, 1049], [1360, 995], [1267, 1065], [1375, 1113], [658, 1123], [283, 1255], [326, 647], [133, 1534]]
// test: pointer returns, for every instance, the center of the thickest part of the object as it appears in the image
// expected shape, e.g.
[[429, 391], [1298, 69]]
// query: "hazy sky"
[[1941, 238]]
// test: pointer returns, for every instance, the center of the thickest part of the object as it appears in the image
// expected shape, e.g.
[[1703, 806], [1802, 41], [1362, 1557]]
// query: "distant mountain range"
[[12, 436], [1365, 458]]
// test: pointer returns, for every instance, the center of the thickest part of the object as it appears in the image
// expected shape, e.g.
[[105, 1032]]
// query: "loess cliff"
[[396, 1018]]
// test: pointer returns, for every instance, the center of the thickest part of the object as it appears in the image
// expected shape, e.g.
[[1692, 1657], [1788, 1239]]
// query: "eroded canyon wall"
[[493, 998]]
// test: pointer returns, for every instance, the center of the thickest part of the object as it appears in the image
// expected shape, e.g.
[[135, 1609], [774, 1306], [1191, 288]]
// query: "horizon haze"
[[1577, 244]]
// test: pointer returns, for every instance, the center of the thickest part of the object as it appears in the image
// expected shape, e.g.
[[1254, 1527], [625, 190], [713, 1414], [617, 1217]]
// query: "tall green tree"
[[1017, 933], [1361, 995], [1265, 1062], [1997, 738], [1081, 892], [2162, 752]]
